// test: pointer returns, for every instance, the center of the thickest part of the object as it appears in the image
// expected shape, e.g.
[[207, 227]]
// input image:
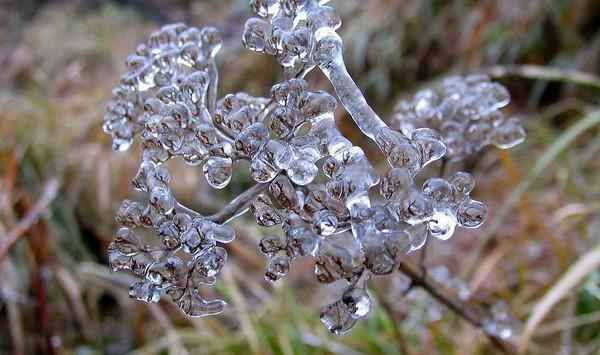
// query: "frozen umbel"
[[169, 98]]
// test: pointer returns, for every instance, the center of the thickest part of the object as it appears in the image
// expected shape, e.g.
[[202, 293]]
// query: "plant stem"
[[239, 205], [353, 100], [48, 194], [468, 312]]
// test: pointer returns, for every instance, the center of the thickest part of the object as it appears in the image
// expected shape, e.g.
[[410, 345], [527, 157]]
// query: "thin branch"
[[468, 312], [541, 72], [239, 205], [48, 195]]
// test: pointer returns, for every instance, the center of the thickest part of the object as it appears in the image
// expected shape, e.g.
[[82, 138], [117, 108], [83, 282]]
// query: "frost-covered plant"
[[168, 98]]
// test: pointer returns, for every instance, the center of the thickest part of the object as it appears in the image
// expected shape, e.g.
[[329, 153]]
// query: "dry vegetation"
[[538, 251]]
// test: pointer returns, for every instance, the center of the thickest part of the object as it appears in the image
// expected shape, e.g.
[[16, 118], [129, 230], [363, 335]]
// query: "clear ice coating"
[[169, 99], [166, 98], [467, 113]]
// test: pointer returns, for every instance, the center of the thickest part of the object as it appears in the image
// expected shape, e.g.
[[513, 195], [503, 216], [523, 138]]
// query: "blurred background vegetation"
[[59, 61]]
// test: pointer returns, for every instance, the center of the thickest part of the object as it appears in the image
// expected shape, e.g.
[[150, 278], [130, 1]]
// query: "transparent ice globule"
[[315, 186]]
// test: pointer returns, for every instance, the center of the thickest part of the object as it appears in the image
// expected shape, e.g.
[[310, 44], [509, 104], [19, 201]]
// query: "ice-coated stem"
[[352, 98], [211, 98], [468, 312], [239, 205]]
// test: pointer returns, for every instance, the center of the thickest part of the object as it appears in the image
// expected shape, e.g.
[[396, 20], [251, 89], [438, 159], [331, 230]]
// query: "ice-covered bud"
[[508, 134], [191, 54], [302, 172], [193, 241], [151, 218], [242, 118], [265, 8], [169, 234], [313, 105], [278, 266], [399, 150], [283, 121], [395, 180], [129, 214], [210, 261], [127, 242], [265, 213], [324, 17], [328, 52], [145, 291], [300, 240], [161, 200], [357, 301], [462, 183], [182, 221], [299, 43], [251, 139], [325, 222], [217, 171], [256, 35], [332, 167], [384, 251], [337, 318], [211, 40], [442, 223], [271, 244], [283, 191], [286, 93], [471, 213], [264, 166], [333, 262], [170, 271], [437, 189], [430, 144]]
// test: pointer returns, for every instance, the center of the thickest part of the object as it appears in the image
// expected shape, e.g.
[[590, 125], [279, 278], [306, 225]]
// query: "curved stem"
[[468, 312], [239, 205], [212, 86], [48, 195], [353, 100]]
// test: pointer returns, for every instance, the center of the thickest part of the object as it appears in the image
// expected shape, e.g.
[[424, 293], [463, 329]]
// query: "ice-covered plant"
[[169, 98]]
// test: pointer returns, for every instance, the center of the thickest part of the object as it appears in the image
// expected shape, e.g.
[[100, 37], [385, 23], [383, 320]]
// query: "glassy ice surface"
[[467, 113]]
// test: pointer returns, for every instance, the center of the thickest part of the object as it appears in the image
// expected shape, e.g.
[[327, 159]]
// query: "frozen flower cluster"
[[165, 98], [466, 112], [313, 184]]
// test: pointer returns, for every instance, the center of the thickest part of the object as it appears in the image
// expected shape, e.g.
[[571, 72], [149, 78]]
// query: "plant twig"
[[48, 195], [468, 312], [541, 72], [239, 205]]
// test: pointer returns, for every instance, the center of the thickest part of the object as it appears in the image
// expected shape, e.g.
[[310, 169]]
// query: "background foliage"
[[58, 63]]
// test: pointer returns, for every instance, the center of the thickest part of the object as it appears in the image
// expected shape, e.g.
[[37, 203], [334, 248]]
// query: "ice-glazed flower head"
[[314, 187]]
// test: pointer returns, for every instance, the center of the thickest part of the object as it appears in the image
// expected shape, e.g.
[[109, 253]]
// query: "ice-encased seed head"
[[168, 98]]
